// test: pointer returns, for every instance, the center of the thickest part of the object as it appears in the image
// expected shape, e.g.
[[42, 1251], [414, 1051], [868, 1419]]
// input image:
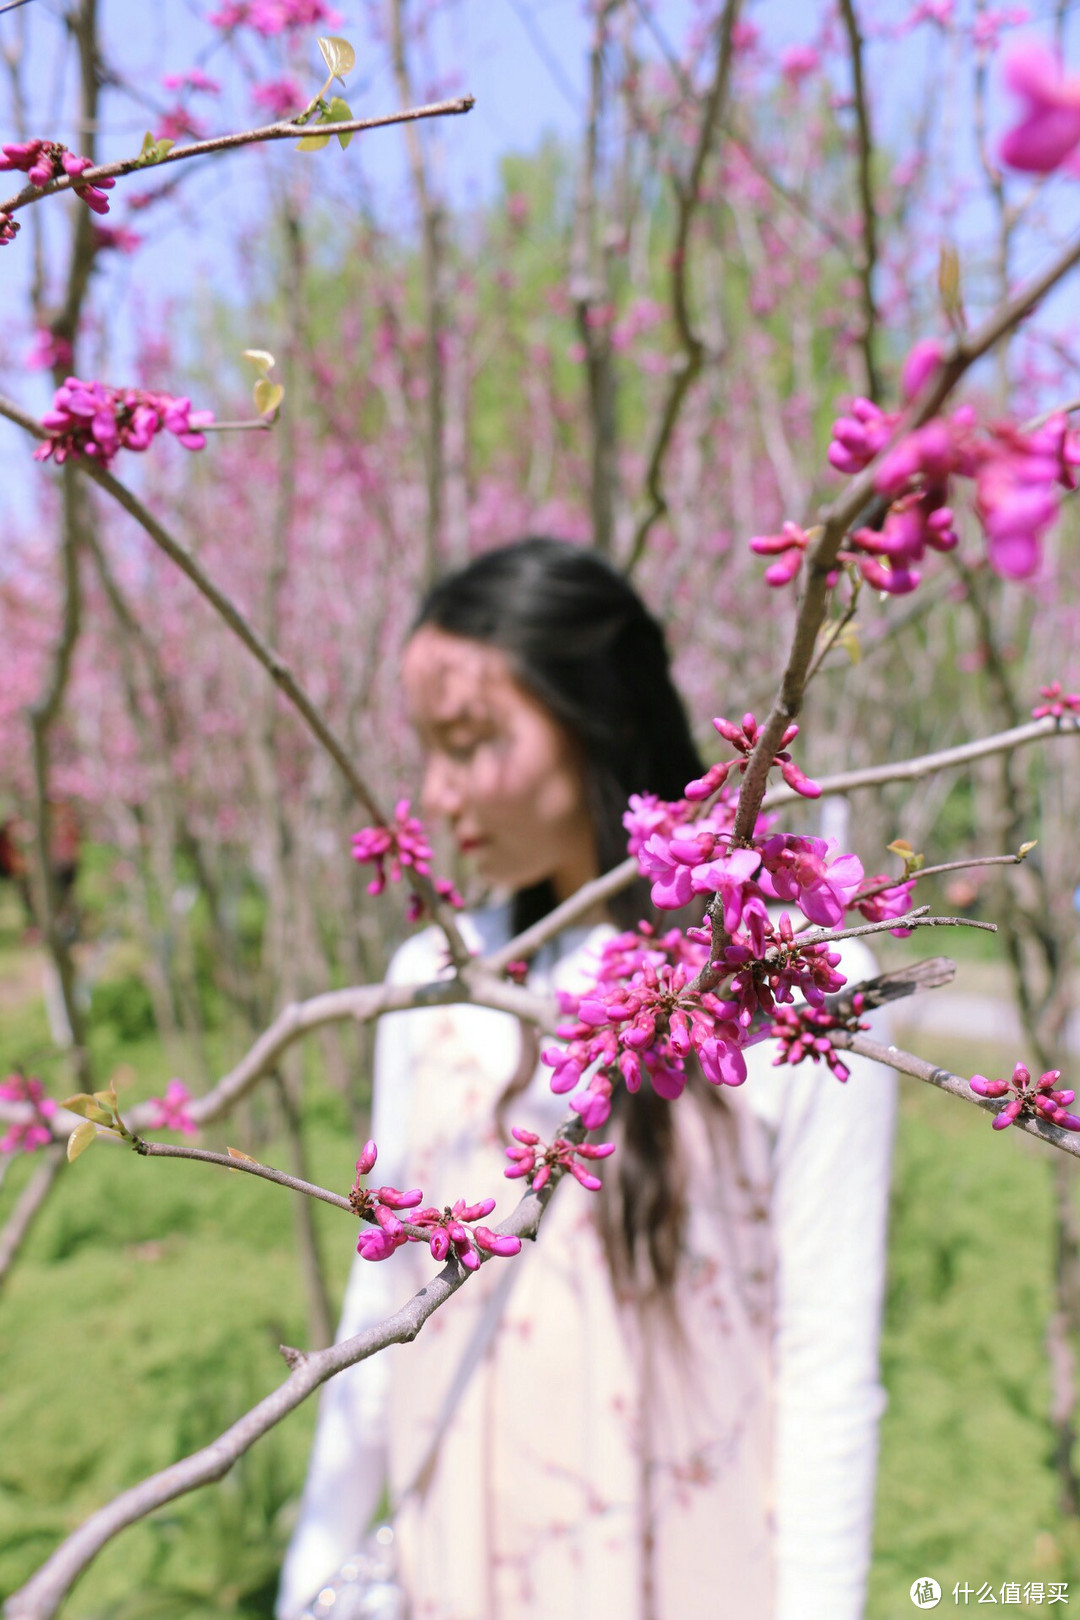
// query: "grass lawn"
[[147, 1307]]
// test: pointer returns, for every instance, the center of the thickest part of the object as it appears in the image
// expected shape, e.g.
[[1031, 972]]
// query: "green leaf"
[[89, 1107], [268, 396], [153, 151], [313, 143], [340, 113], [79, 1140], [1026, 849], [261, 359], [338, 55]]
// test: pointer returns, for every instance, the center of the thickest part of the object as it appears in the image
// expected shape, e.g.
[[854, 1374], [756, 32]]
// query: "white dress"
[[601, 1462]]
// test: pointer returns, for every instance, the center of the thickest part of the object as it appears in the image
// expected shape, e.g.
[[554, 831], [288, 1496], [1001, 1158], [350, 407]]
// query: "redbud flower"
[[1056, 702], [1049, 130], [172, 1110], [1032, 1101], [34, 1133]]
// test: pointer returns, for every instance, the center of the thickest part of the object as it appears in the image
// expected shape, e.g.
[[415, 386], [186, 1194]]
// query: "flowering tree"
[[651, 343]]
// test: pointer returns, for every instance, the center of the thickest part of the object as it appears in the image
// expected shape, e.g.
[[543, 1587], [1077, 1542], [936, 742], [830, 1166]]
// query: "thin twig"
[[934, 871], [689, 362], [893, 1057], [28, 1204], [284, 131], [868, 258], [43, 1593], [913, 770], [910, 919], [171, 1150]]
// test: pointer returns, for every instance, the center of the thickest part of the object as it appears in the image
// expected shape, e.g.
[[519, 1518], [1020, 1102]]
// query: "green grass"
[[147, 1307]]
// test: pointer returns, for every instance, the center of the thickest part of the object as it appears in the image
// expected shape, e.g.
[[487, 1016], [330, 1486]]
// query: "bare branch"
[[913, 770], [45, 1590], [27, 1205], [688, 364], [283, 131], [893, 1057], [173, 1150], [868, 257]]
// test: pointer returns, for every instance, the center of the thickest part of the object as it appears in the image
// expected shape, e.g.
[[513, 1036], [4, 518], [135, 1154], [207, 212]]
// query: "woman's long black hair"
[[579, 638]]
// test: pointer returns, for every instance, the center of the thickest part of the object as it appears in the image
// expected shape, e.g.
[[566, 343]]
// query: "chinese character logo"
[[925, 1592]]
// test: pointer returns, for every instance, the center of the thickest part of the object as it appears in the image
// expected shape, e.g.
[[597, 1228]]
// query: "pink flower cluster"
[[280, 97], [1018, 477], [444, 1230], [9, 228], [171, 1111], [34, 1133], [270, 17], [1056, 702], [43, 161], [1032, 1100], [91, 419], [528, 1150], [805, 1032], [404, 845], [1048, 133], [744, 739]]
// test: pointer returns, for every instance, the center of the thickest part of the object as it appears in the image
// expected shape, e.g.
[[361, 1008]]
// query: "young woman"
[[675, 1412]]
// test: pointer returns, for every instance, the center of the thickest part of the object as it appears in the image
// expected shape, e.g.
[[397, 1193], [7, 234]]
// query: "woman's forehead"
[[448, 677]]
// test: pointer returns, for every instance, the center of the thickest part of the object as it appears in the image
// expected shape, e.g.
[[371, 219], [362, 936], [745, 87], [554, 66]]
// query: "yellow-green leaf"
[[89, 1107], [313, 143], [235, 1153], [849, 640], [338, 55], [80, 1139], [78, 1104], [261, 359], [900, 846], [1026, 849], [339, 113], [268, 396]]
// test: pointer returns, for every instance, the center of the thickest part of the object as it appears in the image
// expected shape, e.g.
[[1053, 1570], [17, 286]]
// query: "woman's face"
[[500, 769]]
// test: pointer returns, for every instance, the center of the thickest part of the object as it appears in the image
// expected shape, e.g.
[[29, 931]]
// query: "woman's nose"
[[441, 792]]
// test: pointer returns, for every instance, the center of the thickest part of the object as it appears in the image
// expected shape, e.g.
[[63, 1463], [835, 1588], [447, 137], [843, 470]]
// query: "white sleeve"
[[830, 1208], [348, 1466]]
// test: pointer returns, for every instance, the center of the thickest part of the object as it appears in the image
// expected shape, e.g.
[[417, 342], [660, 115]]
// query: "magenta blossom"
[[808, 871], [270, 17], [1049, 129], [43, 161], [26, 1136], [529, 1152], [91, 419], [1056, 702], [172, 1110], [1038, 1100], [280, 97]]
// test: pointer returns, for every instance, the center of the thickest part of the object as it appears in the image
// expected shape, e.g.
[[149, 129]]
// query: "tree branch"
[[688, 364], [44, 1591], [893, 1057], [173, 1150], [868, 257], [283, 131], [860, 494], [27, 1205]]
